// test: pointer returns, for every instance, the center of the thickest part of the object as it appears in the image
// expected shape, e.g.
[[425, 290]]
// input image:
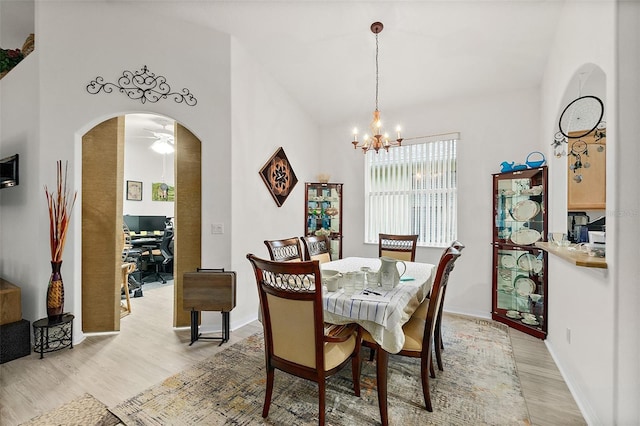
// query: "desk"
[[146, 241], [384, 320]]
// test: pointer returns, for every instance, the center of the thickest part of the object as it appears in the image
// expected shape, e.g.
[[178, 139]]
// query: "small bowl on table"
[[331, 279]]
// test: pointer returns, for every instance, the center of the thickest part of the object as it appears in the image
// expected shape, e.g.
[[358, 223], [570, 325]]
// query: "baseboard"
[[585, 408], [477, 314]]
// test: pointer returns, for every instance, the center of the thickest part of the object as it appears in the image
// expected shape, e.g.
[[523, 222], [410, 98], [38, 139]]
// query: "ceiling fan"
[[163, 139]]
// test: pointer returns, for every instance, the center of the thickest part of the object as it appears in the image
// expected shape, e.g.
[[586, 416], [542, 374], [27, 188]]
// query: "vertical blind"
[[412, 189]]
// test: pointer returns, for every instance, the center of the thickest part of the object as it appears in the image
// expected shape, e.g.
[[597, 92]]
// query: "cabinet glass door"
[[520, 209], [520, 288], [323, 214], [519, 268]]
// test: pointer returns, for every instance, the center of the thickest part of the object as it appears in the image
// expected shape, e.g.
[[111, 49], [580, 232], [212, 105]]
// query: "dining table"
[[381, 312]]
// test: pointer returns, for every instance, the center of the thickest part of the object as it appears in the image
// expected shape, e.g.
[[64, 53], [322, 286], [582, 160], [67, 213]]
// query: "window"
[[412, 189]]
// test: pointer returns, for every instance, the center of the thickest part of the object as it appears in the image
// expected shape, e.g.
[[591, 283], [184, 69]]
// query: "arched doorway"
[[102, 200]]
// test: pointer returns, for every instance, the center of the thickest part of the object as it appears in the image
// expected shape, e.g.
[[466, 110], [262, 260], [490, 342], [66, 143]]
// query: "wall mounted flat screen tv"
[[9, 171]]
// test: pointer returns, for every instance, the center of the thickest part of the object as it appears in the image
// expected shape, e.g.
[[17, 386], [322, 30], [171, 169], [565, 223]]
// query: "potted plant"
[[9, 58]]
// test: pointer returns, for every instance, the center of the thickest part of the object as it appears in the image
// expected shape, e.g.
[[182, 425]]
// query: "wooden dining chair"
[[286, 250], [125, 306], [401, 247], [317, 247], [421, 312], [296, 340], [419, 332]]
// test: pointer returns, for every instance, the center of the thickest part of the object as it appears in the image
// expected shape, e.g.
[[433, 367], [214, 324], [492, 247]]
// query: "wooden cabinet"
[[10, 302], [323, 213], [586, 185], [519, 285]]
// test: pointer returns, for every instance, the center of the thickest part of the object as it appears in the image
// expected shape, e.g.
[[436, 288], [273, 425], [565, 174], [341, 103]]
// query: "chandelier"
[[379, 139]]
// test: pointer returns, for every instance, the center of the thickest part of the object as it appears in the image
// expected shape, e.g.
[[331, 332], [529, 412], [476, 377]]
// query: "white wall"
[[264, 118], [16, 23], [144, 165], [627, 211], [70, 53], [21, 205], [597, 306], [494, 128]]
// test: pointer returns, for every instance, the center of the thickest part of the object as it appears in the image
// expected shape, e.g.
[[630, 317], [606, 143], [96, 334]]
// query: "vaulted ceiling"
[[323, 53]]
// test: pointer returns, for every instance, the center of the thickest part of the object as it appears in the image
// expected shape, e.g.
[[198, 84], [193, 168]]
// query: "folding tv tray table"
[[209, 290]]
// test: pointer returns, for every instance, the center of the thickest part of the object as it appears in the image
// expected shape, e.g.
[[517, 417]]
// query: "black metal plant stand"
[[50, 335]]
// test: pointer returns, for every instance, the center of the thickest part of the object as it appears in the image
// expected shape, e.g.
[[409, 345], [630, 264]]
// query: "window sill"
[[573, 256]]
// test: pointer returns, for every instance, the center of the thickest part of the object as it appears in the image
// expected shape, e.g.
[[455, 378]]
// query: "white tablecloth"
[[383, 319]]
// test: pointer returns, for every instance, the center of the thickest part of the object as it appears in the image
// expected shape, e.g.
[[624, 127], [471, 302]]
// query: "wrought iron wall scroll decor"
[[142, 85]]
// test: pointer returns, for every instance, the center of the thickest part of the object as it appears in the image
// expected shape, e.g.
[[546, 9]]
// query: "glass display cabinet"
[[323, 213], [519, 282]]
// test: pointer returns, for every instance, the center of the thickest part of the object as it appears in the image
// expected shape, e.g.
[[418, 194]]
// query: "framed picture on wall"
[[160, 191], [278, 176], [134, 190]]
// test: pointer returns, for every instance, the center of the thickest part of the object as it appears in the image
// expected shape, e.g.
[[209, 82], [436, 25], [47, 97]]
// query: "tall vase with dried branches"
[[60, 204]]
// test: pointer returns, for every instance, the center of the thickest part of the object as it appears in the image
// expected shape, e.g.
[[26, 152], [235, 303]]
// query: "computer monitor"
[[152, 223], [132, 222]]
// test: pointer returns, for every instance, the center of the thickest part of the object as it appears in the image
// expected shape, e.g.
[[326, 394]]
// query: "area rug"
[[82, 411], [479, 386]]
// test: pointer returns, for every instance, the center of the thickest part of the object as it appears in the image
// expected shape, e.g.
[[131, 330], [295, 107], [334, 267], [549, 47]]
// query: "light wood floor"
[[116, 367], [547, 395]]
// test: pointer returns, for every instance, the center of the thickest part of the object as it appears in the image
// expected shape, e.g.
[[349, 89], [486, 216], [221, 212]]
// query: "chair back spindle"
[[285, 250], [401, 247], [317, 247]]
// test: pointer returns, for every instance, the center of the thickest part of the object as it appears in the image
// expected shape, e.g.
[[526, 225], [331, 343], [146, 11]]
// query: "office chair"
[[160, 257]]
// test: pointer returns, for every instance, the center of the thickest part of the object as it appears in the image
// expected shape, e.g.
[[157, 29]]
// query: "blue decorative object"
[[535, 163], [506, 167]]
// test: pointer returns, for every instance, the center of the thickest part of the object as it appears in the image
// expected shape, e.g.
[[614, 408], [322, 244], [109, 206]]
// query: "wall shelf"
[[576, 257]]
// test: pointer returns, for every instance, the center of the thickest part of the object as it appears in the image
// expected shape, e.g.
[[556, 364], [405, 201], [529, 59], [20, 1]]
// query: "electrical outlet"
[[568, 335], [217, 228]]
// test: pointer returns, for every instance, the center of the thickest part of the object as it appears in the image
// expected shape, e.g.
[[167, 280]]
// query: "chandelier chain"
[[376, 72], [379, 139]]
